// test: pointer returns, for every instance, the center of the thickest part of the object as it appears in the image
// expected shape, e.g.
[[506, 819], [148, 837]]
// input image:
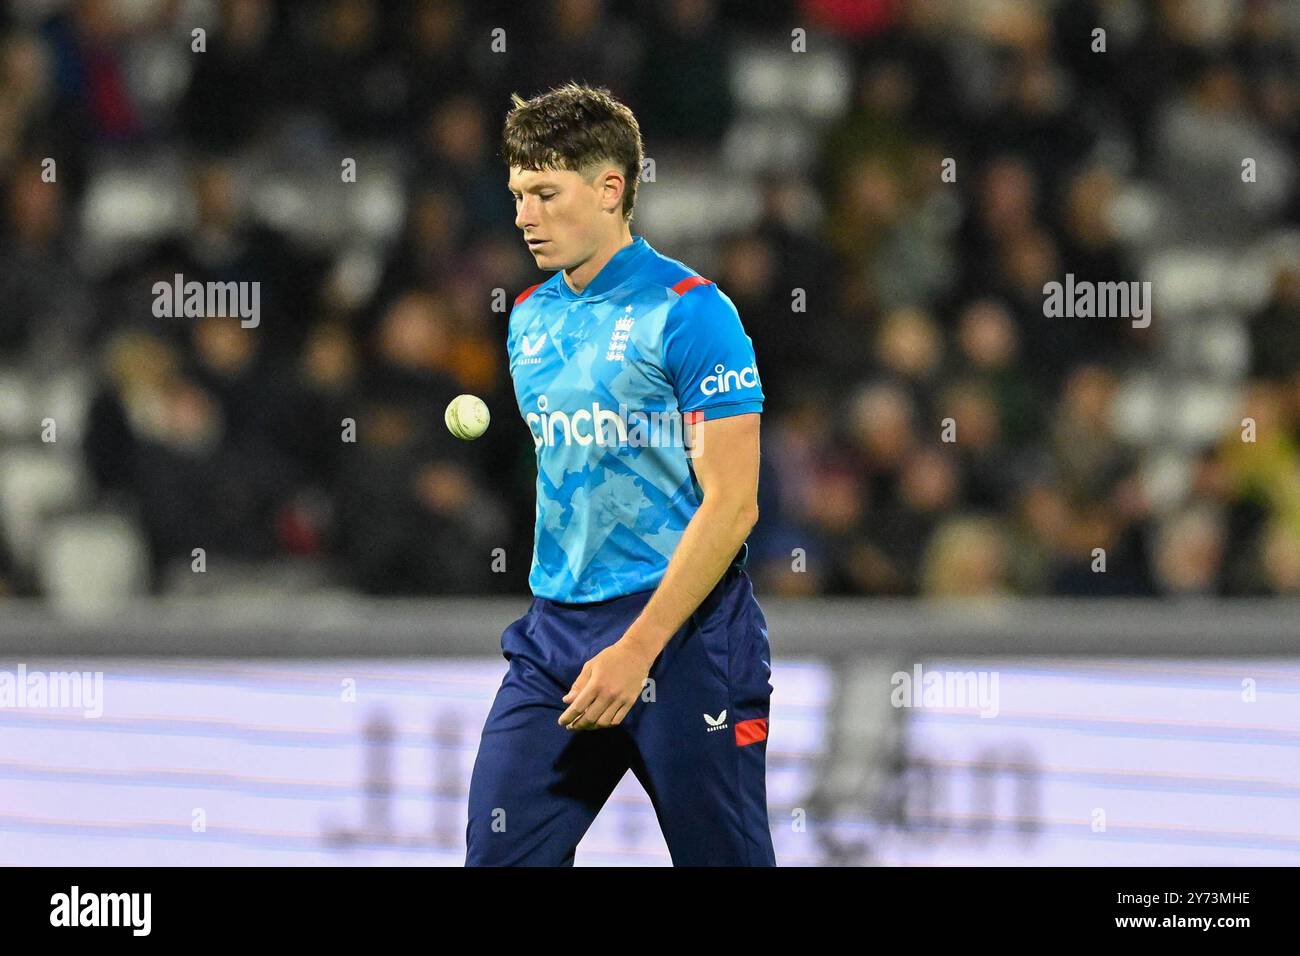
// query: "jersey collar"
[[620, 266]]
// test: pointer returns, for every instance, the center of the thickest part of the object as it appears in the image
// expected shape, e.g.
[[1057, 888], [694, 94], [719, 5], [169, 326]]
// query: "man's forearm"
[[706, 549]]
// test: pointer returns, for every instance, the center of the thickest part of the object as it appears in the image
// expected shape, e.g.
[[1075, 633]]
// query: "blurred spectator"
[[967, 557], [24, 94], [44, 300], [684, 90], [454, 152], [1189, 550], [1275, 330], [582, 35], [233, 95], [990, 347]]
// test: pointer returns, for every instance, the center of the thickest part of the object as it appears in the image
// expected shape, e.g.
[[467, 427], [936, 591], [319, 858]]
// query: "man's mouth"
[[534, 243]]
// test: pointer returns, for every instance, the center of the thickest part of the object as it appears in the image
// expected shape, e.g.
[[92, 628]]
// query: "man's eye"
[[546, 196]]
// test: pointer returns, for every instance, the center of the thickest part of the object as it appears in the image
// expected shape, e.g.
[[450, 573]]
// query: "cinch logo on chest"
[[595, 424]]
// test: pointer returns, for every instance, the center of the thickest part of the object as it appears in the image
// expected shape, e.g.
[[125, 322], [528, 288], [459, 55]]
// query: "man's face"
[[560, 213]]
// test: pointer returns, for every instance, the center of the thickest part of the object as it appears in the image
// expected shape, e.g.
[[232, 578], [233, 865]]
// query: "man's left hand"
[[607, 688]]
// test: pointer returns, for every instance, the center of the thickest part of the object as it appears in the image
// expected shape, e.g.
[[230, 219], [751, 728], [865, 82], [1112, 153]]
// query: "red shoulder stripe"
[[690, 282], [526, 293]]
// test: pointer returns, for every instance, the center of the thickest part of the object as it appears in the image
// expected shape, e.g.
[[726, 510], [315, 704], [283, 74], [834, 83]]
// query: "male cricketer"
[[643, 647]]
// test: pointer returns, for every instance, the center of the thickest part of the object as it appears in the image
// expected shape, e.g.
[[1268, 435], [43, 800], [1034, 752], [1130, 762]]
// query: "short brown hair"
[[574, 127]]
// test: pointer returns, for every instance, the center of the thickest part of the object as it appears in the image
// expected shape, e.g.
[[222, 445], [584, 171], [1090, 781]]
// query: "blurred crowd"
[[928, 431]]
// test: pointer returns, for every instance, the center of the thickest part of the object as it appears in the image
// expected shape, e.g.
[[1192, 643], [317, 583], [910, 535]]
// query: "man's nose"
[[524, 216]]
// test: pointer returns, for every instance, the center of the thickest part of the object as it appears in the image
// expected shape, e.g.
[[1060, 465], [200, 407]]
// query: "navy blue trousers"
[[696, 739]]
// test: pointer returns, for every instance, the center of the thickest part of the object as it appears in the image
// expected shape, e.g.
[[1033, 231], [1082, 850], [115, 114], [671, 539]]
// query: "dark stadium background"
[[798, 151], [923, 298]]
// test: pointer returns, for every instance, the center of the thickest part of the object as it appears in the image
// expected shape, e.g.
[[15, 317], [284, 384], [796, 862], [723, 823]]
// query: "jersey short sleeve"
[[708, 357]]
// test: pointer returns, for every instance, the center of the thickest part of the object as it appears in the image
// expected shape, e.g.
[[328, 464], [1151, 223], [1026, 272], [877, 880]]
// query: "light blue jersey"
[[606, 380]]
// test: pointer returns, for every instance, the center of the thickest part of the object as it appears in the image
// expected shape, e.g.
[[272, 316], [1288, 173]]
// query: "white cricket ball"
[[467, 417]]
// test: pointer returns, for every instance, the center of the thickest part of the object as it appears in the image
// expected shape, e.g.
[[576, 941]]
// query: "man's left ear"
[[612, 194]]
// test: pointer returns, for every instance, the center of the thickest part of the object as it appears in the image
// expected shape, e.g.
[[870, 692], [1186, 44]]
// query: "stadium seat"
[[16, 411], [816, 84], [1203, 413], [695, 204], [88, 564], [127, 205], [34, 482]]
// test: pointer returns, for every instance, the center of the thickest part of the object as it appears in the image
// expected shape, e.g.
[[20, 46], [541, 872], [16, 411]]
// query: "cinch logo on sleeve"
[[724, 379]]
